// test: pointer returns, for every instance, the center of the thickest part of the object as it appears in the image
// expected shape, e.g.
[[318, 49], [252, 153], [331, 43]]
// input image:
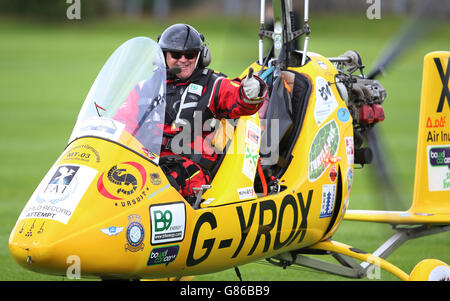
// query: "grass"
[[46, 71]]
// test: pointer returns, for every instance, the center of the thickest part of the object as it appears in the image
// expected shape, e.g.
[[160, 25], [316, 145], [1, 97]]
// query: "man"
[[194, 92]]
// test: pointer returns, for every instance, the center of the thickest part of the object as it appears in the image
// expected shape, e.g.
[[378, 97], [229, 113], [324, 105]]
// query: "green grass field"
[[46, 71]]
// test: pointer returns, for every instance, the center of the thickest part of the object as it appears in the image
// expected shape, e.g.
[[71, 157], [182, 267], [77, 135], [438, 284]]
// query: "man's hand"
[[252, 88]]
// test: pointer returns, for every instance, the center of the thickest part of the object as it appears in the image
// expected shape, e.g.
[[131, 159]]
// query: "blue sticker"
[[343, 114]]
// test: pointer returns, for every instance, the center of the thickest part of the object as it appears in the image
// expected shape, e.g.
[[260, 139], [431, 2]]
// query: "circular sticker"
[[135, 234], [343, 114]]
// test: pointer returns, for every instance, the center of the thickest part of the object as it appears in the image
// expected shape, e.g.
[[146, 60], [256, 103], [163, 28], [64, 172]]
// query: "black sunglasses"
[[188, 54]]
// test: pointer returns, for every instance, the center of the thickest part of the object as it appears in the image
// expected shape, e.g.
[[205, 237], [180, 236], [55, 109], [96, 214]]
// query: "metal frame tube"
[[262, 20], [306, 18]]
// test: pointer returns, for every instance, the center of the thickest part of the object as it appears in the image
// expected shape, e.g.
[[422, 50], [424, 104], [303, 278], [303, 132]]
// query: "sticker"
[[84, 153], [168, 222], [112, 231], [439, 273], [155, 179], [163, 255], [154, 193], [328, 198], [195, 89], [250, 162], [349, 179], [208, 201], [135, 234], [322, 65], [333, 173], [246, 193], [343, 114], [438, 167], [59, 193], [100, 127], [124, 183], [349, 149], [323, 147], [252, 134], [325, 101], [61, 185]]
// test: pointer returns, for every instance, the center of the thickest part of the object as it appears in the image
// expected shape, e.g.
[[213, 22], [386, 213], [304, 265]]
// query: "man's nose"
[[182, 58]]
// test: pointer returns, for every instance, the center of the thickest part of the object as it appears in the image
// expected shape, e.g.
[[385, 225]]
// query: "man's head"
[[183, 47]]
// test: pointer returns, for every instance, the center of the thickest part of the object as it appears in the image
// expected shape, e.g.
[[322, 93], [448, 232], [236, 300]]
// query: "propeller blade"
[[416, 29], [422, 24], [381, 168]]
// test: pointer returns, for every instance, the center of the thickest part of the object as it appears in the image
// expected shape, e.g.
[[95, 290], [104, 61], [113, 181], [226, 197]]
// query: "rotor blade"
[[428, 15], [422, 24], [382, 169]]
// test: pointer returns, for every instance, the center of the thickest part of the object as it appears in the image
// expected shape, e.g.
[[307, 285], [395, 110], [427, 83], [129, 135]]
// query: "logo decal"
[[60, 186], [168, 223], [323, 147], [325, 101], [343, 114], [163, 255], [155, 179], [328, 198], [124, 181], [333, 173], [135, 234], [59, 193], [111, 231], [439, 167]]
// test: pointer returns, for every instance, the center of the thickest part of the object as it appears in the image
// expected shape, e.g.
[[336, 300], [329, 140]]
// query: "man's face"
[[185, 60]]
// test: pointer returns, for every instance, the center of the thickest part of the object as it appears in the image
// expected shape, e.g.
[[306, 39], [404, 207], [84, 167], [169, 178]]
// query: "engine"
[[364, 98]]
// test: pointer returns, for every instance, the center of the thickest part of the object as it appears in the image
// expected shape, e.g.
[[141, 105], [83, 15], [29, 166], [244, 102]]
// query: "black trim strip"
[[337, 203]]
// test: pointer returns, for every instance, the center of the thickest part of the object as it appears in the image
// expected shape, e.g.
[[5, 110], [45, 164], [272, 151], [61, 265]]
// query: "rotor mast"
[[284, 32], [306, 26]]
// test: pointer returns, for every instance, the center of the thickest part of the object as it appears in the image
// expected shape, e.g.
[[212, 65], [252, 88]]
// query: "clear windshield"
[[127, 100]]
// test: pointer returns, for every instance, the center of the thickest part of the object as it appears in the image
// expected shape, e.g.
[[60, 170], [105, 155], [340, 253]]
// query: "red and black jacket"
[[193, 104]]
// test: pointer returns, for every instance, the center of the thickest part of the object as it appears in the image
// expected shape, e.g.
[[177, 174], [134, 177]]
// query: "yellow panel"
[[234, 180], [432, 179]]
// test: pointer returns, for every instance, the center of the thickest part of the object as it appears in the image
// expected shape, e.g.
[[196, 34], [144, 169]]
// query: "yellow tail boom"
[[431, 197]]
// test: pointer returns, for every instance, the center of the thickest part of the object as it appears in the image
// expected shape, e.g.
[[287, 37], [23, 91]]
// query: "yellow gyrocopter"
[[280, 191]]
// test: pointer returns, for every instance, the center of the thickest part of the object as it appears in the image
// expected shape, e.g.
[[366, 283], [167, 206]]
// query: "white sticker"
[[250, 162], [246, 193], [349, 179], [325, 101], [322, 65], [195, 89], [438, 167], [253, 134], [328, 199], [112, 231], [439, 273], [59, 193], [168, 223], [349, 149], [99, 126]]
